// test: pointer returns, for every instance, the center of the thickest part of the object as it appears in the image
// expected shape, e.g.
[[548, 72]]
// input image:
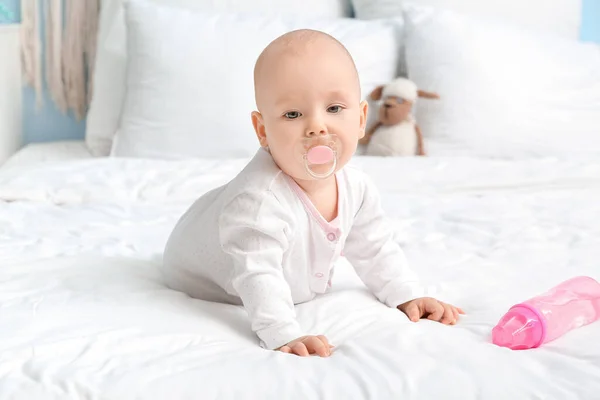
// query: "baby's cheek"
[[349, 147], [287, 159]]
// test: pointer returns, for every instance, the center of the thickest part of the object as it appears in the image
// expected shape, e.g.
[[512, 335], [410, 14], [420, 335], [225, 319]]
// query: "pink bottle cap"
[[520, 328], [320, 155]]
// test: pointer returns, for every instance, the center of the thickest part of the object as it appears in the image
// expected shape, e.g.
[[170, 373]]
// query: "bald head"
[[296, 44]]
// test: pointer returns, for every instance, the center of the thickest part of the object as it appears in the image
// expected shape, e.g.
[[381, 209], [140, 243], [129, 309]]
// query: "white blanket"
[[84, 313]]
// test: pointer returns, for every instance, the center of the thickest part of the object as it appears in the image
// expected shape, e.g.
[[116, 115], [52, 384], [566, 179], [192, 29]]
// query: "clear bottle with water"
[[541, 319]]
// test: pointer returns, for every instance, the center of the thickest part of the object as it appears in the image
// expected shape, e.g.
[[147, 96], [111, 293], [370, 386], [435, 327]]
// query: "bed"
[[85, 313]]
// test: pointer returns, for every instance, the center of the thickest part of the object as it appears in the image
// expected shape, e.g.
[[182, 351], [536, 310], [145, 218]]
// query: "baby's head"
[[307, 93]]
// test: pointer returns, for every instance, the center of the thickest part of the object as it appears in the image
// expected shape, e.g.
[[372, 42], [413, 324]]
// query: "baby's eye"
[[292, 114], [334, 109]]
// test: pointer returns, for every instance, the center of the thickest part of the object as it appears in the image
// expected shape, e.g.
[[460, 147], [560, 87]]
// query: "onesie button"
[[331, 237], [319, 275]]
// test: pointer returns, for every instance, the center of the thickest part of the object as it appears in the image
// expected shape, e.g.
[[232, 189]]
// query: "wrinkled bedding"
[[84, 313]]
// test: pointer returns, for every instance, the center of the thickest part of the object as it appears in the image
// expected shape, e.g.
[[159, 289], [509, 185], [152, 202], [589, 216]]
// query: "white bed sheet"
[[85, 315], [35, 153]]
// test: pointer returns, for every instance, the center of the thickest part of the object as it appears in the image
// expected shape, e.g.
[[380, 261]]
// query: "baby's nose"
[[314, 131]]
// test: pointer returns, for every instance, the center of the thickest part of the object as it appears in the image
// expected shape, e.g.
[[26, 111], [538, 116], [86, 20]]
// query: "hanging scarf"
[[69, 54]]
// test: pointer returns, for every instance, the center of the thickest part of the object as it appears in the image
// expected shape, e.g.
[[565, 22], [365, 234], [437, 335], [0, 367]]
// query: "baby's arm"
[[254, 231], [382, 266], [377, 258]]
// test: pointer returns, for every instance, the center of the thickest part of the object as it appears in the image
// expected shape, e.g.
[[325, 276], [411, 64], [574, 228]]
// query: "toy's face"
[[394, 110], [311, 96]]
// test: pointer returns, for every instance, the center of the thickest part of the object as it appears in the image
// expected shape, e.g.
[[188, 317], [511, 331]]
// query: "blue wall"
[[590, 30], [48, 124]]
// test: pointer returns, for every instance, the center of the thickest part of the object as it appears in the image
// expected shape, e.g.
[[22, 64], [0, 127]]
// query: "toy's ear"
[[427, 95], [376, 93]]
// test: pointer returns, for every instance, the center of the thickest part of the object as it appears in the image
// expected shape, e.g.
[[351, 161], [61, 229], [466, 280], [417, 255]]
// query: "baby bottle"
[[541, 319]]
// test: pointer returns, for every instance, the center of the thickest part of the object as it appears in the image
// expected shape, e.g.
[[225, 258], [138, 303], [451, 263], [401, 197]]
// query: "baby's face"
[[312, 92]]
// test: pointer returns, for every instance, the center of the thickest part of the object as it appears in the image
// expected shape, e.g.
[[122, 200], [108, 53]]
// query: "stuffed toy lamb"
[[395, 132]]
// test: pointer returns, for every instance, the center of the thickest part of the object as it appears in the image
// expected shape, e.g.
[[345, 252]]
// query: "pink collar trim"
[[328, 227]]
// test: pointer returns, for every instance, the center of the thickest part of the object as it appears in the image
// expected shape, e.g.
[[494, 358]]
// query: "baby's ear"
[[364, 112], [376, 93], [259, 128]]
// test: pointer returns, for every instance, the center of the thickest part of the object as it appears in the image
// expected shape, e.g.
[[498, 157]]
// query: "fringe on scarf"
[[69, 54], [54, 36], [31, 47], [73, 58], [91, 40]]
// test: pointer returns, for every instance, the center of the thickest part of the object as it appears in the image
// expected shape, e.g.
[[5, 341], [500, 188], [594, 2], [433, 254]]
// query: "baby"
[[269, 238]]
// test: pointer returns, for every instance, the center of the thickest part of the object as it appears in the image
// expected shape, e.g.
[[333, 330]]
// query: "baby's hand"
[[432, 309], [306, 345]]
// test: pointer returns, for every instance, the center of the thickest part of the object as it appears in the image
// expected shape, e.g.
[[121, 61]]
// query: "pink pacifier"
[[320, 155], [319, 151]]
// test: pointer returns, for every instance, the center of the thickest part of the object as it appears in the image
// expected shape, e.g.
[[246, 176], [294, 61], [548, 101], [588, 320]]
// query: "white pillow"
[[505, 91], [190, 76], [561, 17], [109, 75]]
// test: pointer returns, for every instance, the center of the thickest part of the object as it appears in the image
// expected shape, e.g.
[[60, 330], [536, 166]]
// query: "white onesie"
[[260, 242]]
